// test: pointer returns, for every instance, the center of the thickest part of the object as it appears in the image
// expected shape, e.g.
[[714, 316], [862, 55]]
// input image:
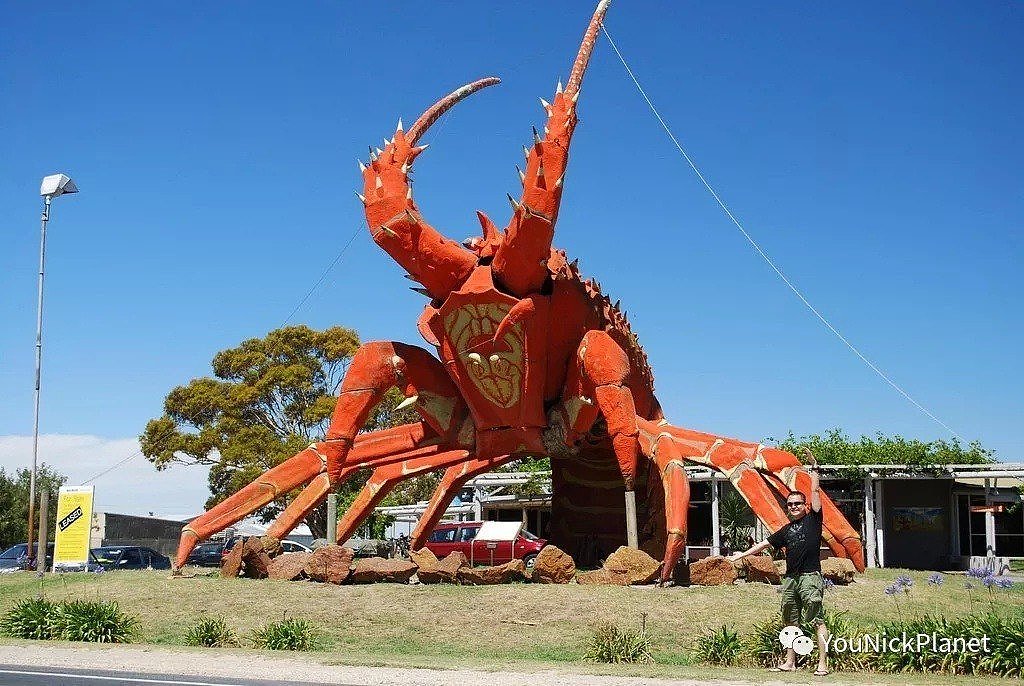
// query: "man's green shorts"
[[801, 599]]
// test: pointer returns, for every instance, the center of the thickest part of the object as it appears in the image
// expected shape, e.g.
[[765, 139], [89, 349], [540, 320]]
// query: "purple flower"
[[1006, 584], [904, 580], [968, 585], [936, 579], [990, 581], [892, 590], [978, 572]]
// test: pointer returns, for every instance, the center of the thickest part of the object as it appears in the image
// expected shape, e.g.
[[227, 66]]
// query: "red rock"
[[838, 570], [424, 557], [271, 545], [712, 571], [443, 571], [375, 569], [288, 566], [638, 566], [255, 560], [330, 564], [231, 563], [761, 568], [553, 566], [498, 574]]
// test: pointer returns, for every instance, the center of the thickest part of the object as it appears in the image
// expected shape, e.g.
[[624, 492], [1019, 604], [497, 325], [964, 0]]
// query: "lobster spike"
[[411, 400], [512, 201], [373, 155], [408, 194], [399, 124], [558, 88], [526, 152], [545, 104], [379, 151], [536, 137], [558, 184], [575, 97], [421, 291], [362, 198], [522, 174], [362, 167]]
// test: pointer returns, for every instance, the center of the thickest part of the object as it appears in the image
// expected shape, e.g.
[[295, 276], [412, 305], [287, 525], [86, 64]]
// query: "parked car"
[[286, 547], [15, 558], [450, 537], [129, 557], [206, 554]]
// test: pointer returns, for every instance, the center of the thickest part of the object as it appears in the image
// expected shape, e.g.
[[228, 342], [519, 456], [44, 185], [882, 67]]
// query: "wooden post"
[[332, 518], [44, 537]]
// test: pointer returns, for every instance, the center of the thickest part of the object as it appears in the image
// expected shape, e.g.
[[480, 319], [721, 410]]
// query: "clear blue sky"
[[873, 149]]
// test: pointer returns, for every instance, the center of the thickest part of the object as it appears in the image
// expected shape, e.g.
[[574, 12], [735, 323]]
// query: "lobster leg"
[[742, 462], [603, 366], [451, 483], [384, 479], [309, 464]]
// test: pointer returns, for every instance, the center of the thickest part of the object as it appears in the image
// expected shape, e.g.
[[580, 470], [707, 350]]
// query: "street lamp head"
[[57, 184]]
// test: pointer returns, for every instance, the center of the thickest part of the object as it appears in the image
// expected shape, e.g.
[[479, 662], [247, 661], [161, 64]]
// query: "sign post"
[[74, 526]]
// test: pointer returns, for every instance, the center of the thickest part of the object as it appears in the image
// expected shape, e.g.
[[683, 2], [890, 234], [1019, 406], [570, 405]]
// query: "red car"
[[449, 537]]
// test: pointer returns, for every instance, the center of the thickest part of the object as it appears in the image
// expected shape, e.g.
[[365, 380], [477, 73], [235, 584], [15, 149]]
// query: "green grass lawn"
[[489, 626]]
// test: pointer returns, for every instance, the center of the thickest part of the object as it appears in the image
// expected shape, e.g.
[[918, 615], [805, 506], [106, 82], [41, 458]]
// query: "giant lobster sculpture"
[[534, 361]]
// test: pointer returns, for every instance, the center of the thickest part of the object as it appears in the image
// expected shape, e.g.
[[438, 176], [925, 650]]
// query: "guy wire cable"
[[885, 377]]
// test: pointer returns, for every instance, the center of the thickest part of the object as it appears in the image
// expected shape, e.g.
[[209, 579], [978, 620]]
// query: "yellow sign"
[[74, 525]]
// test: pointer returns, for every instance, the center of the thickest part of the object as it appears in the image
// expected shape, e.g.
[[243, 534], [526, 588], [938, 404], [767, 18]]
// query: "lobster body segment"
[[531, 360]]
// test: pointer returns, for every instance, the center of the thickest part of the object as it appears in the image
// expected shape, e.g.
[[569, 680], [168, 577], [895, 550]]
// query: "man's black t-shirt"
[[802, 540]]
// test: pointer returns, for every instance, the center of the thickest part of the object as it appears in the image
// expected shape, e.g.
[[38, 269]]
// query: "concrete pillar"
[[879, 523], [478, 512], [716, 523], [870, 540], [332, 518], [990, 523], [632, 540]]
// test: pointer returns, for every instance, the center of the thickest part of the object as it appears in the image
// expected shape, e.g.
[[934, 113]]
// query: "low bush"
[[31, 618], [288, 634], [94, 621], [70, 620], [210, 632], [719, 647], [609, 643]]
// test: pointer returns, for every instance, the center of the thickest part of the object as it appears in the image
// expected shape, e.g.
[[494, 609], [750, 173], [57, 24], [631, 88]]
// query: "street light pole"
[[39, 366], [51, 187]]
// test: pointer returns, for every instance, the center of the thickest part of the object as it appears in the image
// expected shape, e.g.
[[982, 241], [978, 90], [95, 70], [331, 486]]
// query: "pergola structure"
[[884, 499]]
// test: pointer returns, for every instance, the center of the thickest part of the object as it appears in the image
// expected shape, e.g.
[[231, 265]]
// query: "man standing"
[[803, 586]]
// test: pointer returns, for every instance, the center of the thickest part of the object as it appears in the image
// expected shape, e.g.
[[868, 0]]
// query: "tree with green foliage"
[[269, 398], [835, 447], [14, 491]]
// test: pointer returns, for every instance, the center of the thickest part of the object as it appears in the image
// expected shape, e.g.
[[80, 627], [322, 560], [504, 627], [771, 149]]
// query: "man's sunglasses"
[[800, 504]]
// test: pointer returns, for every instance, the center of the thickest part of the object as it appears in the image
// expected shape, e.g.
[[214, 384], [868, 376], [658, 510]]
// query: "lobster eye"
[[471, 242]]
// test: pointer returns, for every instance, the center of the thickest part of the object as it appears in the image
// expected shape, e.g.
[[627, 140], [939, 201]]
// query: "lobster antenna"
[[437, 110], [579, 67]]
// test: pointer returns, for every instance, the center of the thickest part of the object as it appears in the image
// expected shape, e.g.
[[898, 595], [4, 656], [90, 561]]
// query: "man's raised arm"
[[815, 480]]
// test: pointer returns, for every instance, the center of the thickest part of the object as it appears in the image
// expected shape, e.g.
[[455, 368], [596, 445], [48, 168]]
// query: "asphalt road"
[[31, 676]]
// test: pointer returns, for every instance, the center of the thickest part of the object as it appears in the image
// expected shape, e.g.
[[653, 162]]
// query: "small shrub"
[[93, 621], [718, 647], [288, 634], [31, 618], [609, 643], [210, 632]]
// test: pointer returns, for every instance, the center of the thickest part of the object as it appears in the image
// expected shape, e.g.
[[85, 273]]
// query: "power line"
[[885, 377]]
